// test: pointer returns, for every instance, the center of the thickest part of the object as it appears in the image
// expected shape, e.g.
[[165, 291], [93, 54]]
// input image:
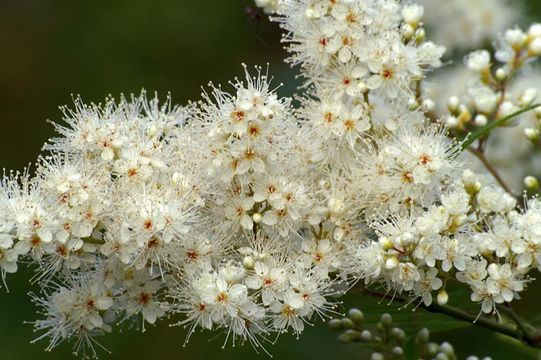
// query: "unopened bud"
[[356, 315], [335, 324], [531, 134], [531, 183], [480, 120], [248, 262], [500, 75], [366, 335], [453, 103], [257, 217], [398, 334], [398, 351], [528, 97], [429, 104], [386, 319], [423, 336], [347, 323], [442, 297], [534, 49]]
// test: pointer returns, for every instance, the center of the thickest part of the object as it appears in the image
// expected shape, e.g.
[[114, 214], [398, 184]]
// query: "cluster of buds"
[[386, 340]]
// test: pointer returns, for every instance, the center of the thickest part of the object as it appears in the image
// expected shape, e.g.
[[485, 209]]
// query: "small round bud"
[[528, 97], [451, 122], [453, 103], [429, 104], [248, 262], [420, 35], [377, 356], [347, 323], [531, 134], [447, 348], [534, 30], [531, 183], [386, 320], [535, 47], [432, 349], [257, 217], [501, 75], [442, 297], [362, 87], [356, 315], [408, 31], [335, 324], [413, 104], [366, 335], [442, 356], [349, 336], [423, 336], [398, 334], [397, 351], [335, 205], [537, 113], [480, 120]]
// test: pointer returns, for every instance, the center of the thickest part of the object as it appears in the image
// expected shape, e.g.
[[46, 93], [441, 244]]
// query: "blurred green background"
[[51, 49]]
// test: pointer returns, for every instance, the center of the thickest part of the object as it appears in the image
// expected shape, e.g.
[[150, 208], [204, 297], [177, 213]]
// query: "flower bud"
[[429, 104], [453, 103], [356, 315], [386, 320], [377, 356], [480, 120], [442, 297], [423, 336], [408, 32], [531, 183], [534, 49], [534, 30], [347, 323], [366, 335], [501, 75], [349, 336], [398, 334], [528, 97], [397, 351], [531, 134], [257, 217], [442, 356], [451, 122], [335, 324], [447, 348], [248, 262]]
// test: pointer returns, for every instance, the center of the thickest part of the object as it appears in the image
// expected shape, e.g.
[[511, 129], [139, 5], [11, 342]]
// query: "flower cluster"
[[243, 214]]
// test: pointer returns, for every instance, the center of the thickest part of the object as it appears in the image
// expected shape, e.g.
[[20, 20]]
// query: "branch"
[[473, 136], [532, 340]]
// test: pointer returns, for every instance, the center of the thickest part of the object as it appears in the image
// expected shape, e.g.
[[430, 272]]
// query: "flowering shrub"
[[244, 214]]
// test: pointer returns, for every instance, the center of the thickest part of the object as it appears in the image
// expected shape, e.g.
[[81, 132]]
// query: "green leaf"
[[473, 136]]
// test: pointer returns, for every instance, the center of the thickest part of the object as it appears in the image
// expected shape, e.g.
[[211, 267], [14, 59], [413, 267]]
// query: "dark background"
[[51, 49]]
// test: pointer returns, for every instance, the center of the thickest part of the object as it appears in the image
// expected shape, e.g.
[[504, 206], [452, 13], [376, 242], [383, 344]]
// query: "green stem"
[[472, 137]]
